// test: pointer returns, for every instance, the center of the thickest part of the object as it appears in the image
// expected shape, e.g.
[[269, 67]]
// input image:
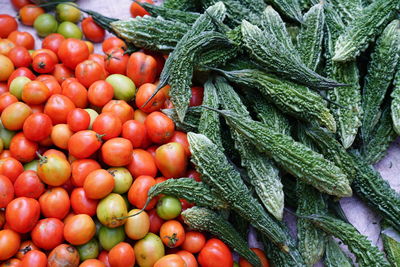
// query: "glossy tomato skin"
[[88, 72], [92, 31], [55, 203], [194, 242], [34, 258], [9, 243], [48, 233], [58, 107], [181, 138], [43, 63], [11, 168], [22, 148], [60, 135], [7, 99], [113, 42], [24, 39], [172, 233], [159, 127], [138, 11], [22, 214], [54, 170], [24, 248], [171, 160], [14, 116], [7, 25], [62, 72], [20, 56], [171, 260], [188, 258], [35, 93], [137, 194], [5, 47], [29, 13], [81, 168], [215, 253], [155, 221], [53, 42], [120, 108], [99, 58], [72, 52], [100, 93], [107, 124], [81, 204], [142, 164], [261, 255], [116, 61], [76, 92], [144, 92], [79, 229], [37, 127], [98, 184], [21, 72], [84, 143], [197, 96], [63, 255], [148, 250], [122, 255], [141, 68], [28, 184], [138, 226], [135, 132], [51, 83], [78, 120], [7, 191], [117, 152]]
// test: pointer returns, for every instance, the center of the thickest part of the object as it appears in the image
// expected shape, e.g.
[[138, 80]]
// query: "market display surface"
[[209, 133]]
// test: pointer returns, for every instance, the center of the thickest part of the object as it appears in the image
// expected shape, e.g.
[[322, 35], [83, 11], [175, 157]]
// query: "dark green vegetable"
[[184, 5], [348, 9], [395, 105], [277, 257], [290, 8], [192, 118], [391, 244], [334, 256], [173, 14]]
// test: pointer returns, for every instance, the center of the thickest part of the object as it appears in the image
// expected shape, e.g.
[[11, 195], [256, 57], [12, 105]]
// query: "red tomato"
[[194, 242], [55, 203], [188, 258], [63, 255], [141, 68], [58, 107], [120, 108], [43, 63], [92, 263], [171, 260], [7, 99], [76, 92], [34, 258], [24, 39], [92, 31], [159, 57], [11, 168], [113, 42], [61, 72], [142, 164], [7, 25], [48, 233], [155, 221], [103, 257], [134, 131], [98, 184], [215, 253], [84, 143], [45, 51], [159, 127], [6, 46], [14, 116], [5, 154], [23, 149], [22, 214], [24, 248], [172, 233], [54, 170], [29, 13], [197, 96], [98, 58], [181, 138], [137, 194], [53, 42], [35, 93], [28, 184], [136, 10], [171, 160], [79, 229], [81, 168], [88, 72], [100, 93], [9, 243], [117, 152], [78, 120], [51, 83], [7, 191], [81, 204], [19, 55], [21, 72], [261, 255], [116, 61], [37, 127], [140, 116], [108, 125], [60, 135], [54, 152], [18, 4], [144, 93], [72, 52], [194, 174], [122, 255]]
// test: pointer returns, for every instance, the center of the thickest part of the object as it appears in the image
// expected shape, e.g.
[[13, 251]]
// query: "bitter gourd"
[[289, 188], [277, 257], [240, 224], [290, 98], [334, 256], [184, 5], [170, 14], [309, 40], [370, 23], [349, 10], [391, 244], [191, 122], [272, 54], [263, 174], [395, 105], [381, 71], [203, 219], [303, 138], [381, 138], [296, 158], [366, 253], [226, 182], [289, 8]]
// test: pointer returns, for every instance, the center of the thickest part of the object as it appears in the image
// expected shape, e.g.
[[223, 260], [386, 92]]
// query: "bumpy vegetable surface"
[[391, 244], [184, 5], [192, 118], [395, 106], [290, 8], [170, 13], [334, 256], [203, 219], [348, 9], [277, 257]]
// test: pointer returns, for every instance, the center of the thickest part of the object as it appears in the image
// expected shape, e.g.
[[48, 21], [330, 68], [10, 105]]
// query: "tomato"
[[159, 127], [6, 46], [108, 125], [148, 250], [21, 72], [53, 42], [28, 184], [103, 257], [124, 88], [48, 233], [81, 168], [81, 204], [54, 152], [111, 209], [197, 96], [168, 207], [63, 255], [181, 138], [261, 255], [79, 229], [122, 179], [194, 242], [215, 253], [134, 131], [155, 221], [84, 143], [171, 160], [90, 46], [100, 93], [99, 58], [35, 92], [120, 108], [51, 83], [55, 203], [22, 214], [6, 68], [117, 152], [136, 10], [141, 68], [14, 116], [67, 12], [7, 191], [18, 4], [9, 243], [13, 262], [137, 194], [88, 72], [2, 219], [144, 93], [188, 258], [49, 52], [24, 39], [3, 88], [92, 31], [116, 61], [110, 237], [72, 52], [142, 163], [17, 86], [60, 135], [122, 255], [22, 148], [37, 127], [58, 107], [6, 99], [29, 13], [61, 72], [90, 250], [43, 63], [10, 168], [71, 30], [53, 170], [20, 56], [78, 120], [45, 24], [76, 92], [113, 42], [171, 260], [34, 258], [136, 227], [98, 184], [24, 248], [172, 233]]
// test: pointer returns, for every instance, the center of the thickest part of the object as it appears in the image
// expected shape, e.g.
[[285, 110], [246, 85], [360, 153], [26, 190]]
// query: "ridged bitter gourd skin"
[[370, 23], [391, 244], [349, 10], [296, 158], [289, 8], [278, 258], [395, 105], [184, 5], [334, 256], [263, 174], [381, 70], [203, 219], [367, 254], [170, 14], [192, 118]]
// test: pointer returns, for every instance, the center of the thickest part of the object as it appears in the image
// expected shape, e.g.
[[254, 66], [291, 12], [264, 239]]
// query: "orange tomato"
[[79, 229], [194, 241], [122, 255], [261, 255], [172, 233], [98, 184], [171, 260]]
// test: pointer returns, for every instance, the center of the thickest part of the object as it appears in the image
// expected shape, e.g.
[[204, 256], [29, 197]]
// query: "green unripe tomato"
[[110, 237], [31, 166], [124, 88], [17, 85], [93, 115], [1, 145], [122, 179], [6, 136], [67, 12], [168, 207], [45, 24], [90, 250], [69, 30]]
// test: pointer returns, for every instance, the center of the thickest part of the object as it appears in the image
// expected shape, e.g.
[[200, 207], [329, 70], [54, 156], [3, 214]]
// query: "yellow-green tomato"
[[90, 250], [168, 207], [17, 85], [45, 24], [32, 165], [69, 30], [122, 179], [93, 115], [110, 237], [148, 250], [6, 136], [67, 12], [136, 227], [124, 88], [111, 209]]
